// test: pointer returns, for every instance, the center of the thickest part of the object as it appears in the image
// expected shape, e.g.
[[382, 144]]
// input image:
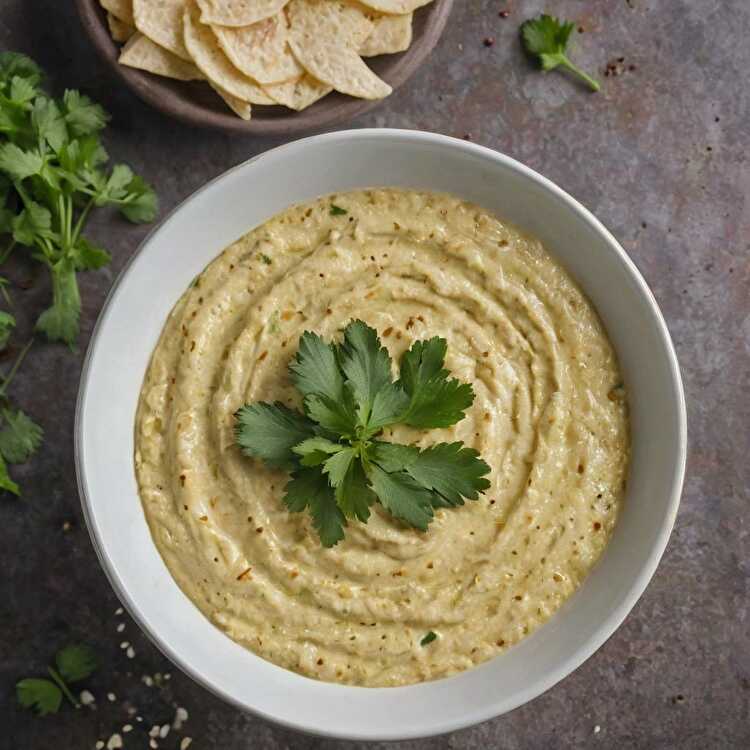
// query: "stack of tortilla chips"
[[285, 52]]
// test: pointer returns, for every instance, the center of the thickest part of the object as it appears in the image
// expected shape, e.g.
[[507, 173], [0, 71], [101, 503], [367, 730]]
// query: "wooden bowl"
[[194, 102]]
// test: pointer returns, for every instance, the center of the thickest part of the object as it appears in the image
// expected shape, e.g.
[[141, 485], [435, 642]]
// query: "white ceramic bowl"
[[181, 247]]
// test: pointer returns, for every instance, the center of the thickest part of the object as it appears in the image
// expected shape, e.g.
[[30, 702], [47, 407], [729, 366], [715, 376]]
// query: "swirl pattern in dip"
[[549, 417]]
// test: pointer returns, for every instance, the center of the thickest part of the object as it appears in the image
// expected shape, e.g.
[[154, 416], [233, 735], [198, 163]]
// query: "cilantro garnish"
[[52, 175], [339, 467], [429, 638], [72, 664], [337, 210], [546, 37]]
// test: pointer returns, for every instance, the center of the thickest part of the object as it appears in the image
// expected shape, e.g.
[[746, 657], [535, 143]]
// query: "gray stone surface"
[[661, 156]]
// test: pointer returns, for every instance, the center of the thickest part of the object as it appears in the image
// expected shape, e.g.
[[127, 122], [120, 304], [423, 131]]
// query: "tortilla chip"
[[391, 34], [324, 37], [395, 7], [238, 12], [241, 108], [261, 50], [338, 21], [120, 9], [119, 30], [299, 94], [140, 52], [209, 57], [161, 22]]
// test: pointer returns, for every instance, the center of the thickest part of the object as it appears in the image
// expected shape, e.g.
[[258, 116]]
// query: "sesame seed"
[[154, 731], [164, 731], [115, 742], [119, 611], [111, 697], [127, 728], [185, 743], [86, 698], [153, 744], [121, 627], [130, 653], [597, 729], [124, 645], [99, 745]]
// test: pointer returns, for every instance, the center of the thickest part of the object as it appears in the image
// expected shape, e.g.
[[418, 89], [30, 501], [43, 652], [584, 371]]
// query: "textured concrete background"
[[660, 155]]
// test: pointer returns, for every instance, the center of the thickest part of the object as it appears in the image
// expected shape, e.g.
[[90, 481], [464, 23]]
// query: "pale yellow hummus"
[[549, 417]]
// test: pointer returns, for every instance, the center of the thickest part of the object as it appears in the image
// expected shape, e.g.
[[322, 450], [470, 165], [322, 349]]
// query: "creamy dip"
[[549, 417]]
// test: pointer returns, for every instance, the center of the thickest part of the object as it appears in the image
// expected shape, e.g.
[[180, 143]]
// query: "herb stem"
[[6, 253], [13, 370], [81, 220], [593, 83], [65, 689]]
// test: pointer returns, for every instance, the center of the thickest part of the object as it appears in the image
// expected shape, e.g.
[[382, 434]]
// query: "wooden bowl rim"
[[334, 109]]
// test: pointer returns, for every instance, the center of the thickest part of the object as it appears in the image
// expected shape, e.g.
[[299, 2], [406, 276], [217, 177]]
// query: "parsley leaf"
[[337, 210], [20, 437], [339, 468], [451, 470], [353, 495], [7, 324], [402, 496], [52, 175], [270, 431], [309, 489], [435, 401], [366, 365], [546, 37], [43, 695], [76, 663]]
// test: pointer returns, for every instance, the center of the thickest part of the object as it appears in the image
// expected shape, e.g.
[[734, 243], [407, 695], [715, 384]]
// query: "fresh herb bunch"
[[339, 467], [546, 38], [72, 664], [52, 173]]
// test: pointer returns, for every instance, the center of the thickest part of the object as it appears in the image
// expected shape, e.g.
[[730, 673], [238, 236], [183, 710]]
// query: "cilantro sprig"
[[339, 468], [546, 38], [52, 174], [72, 664]]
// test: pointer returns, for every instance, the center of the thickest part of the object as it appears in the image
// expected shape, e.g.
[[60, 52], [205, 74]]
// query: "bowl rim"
[[608, 625], [337, 111]]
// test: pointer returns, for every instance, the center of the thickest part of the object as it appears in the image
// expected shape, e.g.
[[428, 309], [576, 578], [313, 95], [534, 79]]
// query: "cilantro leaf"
[[60, 321], [116, 186], [546, 37], [43, 695], [452, 471], [7, 324], [435, 400], [332, 415], [32, 222], [6, 483], [20, 437], [76, 662], [402, 496], [271, 431], [140, 204], [338, 465], [353, 494], [308, 488], [337, 210], [314, 368], [22, 90], [339, 468], [88, 257], [314, 451], [83, 116], [48, 123], [366, 365], [19, 164], [16, 64]]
